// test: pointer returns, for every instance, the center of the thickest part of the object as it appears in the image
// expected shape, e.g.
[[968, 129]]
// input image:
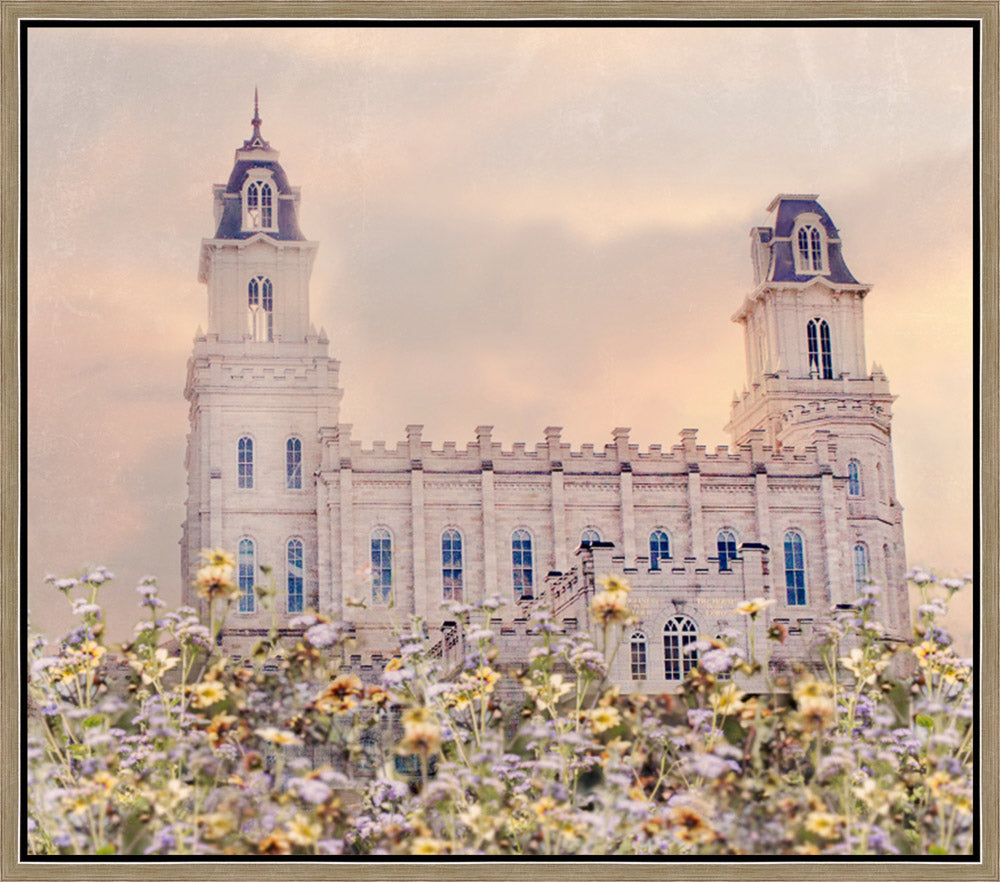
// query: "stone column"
[[348, 574], [417, 522], [689, 441], [625, 495], [491, 583], [552, 439]]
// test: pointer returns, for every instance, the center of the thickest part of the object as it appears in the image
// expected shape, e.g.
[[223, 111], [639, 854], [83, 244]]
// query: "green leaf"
[[106, 849], [925, 721], [937, 849], [93, 721]]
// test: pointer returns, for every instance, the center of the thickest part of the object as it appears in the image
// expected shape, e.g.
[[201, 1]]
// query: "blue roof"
[[231, 223], [787, 209]]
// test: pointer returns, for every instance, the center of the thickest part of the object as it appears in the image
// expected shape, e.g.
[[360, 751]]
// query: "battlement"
[[553, 455]]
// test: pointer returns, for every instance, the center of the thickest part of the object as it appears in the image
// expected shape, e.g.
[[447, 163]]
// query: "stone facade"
[[800, 509]]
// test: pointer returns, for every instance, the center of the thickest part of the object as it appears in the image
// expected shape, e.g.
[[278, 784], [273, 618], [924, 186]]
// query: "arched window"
[[820, 354], [451, 564], [260, 305], [659, 548], [589, 536], [258, 201], [726, 544], [637, 645], [293, 464], [245, 571], [810, 254], [860, 566], [854, 478], [521, 562], [381, 565], [678, 633], [795, 569], [266, 213], [244, 461], [296, 595]]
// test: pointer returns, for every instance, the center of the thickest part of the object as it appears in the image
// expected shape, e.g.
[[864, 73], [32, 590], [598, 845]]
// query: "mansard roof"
[[256, 153], [786, 210]]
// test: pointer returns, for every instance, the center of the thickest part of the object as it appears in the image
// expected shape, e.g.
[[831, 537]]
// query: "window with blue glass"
[[860, 566], [293, 464], [589, 536], [795, 569], [521, 560], [296, 594], [451, 564], [725, 544], [244, 463], [854, 478], [245, 571], [659, 548], [381, 565]]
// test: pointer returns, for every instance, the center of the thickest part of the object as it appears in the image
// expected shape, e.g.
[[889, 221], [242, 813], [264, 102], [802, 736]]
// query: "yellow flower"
[[154, 668], [217, 557], [690, 825], [611, 607], [727, 700], [280, 737], [420, 737], [604, 718], [92, 651], [215, 825], [753, 607], [614, 583], [276, 843], [208, 693], [302, 831], [823, 824], [427, 845], [340, 696]]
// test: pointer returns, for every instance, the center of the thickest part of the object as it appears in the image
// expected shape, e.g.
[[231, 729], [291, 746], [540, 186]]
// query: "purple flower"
[[321, 635], [715, 661], [312, 790]]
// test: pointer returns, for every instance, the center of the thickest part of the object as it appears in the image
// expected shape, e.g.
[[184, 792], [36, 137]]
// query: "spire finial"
[[256, 141]]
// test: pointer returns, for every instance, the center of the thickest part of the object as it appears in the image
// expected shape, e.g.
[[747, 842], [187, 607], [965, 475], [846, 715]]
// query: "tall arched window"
[[678, 633], [381, 558], [295, 584], [521, 563], [244, 463], [820, 353], [860, 566], [725, 542], [589, 536], [266, 213], [659, 548], [451, 564], [854, 478], [810, 257], [260, 305], [637, 647], [258, 201], [293, 464], [245, 570], [795, 569]]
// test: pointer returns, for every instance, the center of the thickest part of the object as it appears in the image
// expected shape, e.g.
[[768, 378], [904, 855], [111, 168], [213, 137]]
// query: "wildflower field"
[[166, 747]]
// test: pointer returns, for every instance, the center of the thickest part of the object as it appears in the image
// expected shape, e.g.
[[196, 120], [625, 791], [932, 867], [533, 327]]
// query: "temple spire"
[[256, 139]]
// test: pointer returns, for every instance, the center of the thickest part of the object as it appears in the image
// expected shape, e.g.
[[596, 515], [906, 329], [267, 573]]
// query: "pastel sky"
[[518, 226]]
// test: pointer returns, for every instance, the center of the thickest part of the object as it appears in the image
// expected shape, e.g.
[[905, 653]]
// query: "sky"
[[518, 227]]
